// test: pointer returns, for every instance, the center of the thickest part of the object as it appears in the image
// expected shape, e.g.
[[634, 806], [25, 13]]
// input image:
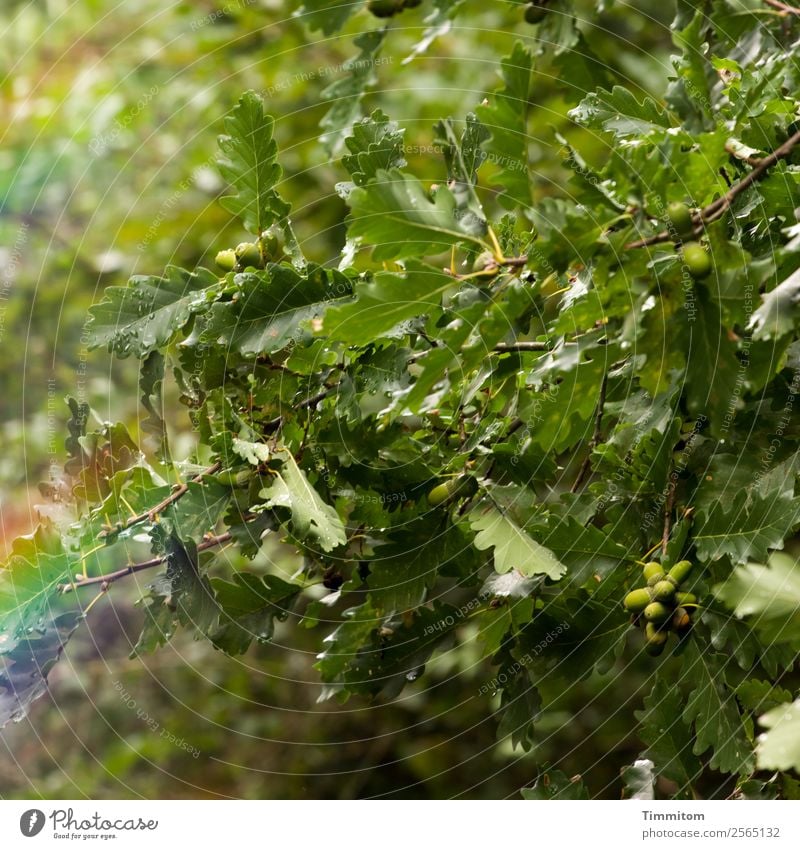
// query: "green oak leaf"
[[779, 746], [272, 308], [712, 709], [180, 597], [249, 163], [769, 595], [148, 313], [745, 526], [668, 740], [249, 606], [374, 144], [30, 579], [437, 23], [505, 116], [619, 112], [345, 94], [324, 15], [311, 518], [387, 300], [513, 547], [777, 315], [396, 216]]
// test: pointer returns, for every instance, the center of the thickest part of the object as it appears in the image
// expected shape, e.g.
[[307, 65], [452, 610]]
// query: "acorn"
[[685, 598], [680, 219], [653, 633], [655, 640], [651, 569], [680, 571], [226, 260], [663, 591], [248, 254], [681, 621], [657, 612], [637, 600], [697, 260], [656, 579], [227, 477], [460, 487]]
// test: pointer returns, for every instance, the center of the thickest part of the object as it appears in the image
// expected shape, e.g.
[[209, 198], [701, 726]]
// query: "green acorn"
[[657, 612], [680, 571], [651, 569], [680, 218], [663, 591], [248, 254], [655, 640], [460, 487], [653, 633], [685, 598], [234, 479], [636, 600], [697, 260], [226, 260]]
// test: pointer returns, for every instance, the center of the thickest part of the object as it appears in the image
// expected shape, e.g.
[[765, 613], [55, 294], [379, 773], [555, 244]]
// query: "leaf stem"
[[497, 250]]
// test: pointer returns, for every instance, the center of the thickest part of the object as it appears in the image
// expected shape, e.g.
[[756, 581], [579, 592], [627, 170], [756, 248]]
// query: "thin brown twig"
[[175, 495], [315, 399], [500, 348], [596, 436], [514, 261], [105, 581], [749, 159], [503, 347], [514, 427], [783, 7], [668, 507], [716, 209], [491, 270]]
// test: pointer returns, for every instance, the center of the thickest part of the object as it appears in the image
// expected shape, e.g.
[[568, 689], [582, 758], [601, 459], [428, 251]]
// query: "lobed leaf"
[[513, 547], [149, 312], [249, 163]]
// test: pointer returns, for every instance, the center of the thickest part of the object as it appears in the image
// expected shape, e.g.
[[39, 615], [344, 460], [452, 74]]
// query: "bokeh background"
[[109, 113]]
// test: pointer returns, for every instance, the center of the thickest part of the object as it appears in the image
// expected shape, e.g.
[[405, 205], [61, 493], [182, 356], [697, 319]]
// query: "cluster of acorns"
[[251, 254], [660, 605], [682, 224]]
